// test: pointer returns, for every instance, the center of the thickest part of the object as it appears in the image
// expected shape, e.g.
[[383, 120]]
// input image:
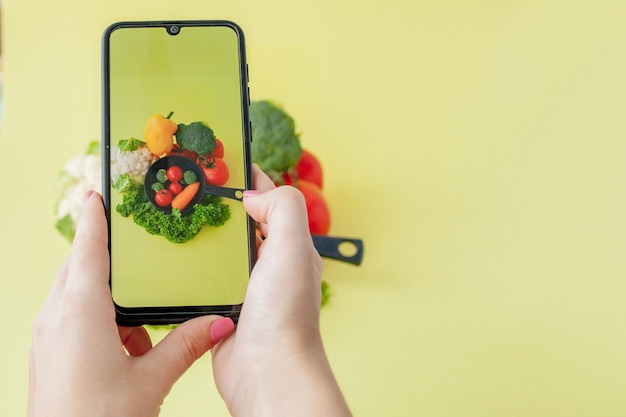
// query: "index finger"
[[87, 283]]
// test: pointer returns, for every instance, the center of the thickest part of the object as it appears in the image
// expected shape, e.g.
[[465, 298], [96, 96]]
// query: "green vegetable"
[[123, 183], [94, 148], [157, 186], [65, 225], [197, 137], [275, 146], [175, 228], [130, 144], [161, 175], [325, 292], [190, 177]]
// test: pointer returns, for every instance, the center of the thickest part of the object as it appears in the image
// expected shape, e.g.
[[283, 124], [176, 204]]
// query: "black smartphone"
[[176, 158]]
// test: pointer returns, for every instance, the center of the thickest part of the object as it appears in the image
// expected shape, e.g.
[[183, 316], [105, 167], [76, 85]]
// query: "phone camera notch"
[[173, 30]]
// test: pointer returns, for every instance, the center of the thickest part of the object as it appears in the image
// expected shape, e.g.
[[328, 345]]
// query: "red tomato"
[[177, 150], [216, 173], [287, 179], [175, 188], [319, 214], [174, 173], [309, 168], [218, 152], [163, 198]]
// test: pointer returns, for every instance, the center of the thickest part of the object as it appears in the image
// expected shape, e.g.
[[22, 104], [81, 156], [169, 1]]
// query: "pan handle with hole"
[[344, 249], [232, 193]]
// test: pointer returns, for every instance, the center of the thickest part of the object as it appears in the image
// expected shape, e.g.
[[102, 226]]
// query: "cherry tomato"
[[174, 173], [177, 150], [316, 207], [163, 198], [175, 188], [218, 152], [216, 173], [309, 168]]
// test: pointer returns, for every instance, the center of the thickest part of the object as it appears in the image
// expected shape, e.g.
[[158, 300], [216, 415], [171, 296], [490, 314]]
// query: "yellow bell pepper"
[[159, 134]]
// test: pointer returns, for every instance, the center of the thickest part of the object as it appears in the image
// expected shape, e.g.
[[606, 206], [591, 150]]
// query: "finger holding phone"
[[81, 362], [275, 363]]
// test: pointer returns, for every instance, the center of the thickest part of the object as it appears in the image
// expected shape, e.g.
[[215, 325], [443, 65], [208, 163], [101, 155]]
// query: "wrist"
[[302, 385]]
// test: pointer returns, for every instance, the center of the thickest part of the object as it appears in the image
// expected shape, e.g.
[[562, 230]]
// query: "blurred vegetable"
[[196, 137], [319, 215], [275, 144], [80, 174], [309, 168], [159, 134], [325, 293]]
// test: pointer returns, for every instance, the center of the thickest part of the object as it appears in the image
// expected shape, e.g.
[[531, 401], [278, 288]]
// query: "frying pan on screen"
[[185, 164]]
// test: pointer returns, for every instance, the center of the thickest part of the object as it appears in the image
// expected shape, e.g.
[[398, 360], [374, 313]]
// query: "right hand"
[[275, 364]]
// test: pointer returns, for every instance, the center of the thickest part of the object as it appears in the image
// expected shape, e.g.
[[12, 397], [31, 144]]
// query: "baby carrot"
[[183, 199]]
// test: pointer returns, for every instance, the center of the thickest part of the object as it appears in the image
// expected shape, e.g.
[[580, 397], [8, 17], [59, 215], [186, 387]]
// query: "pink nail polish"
[[251, 193], [220, 329], [89, 193]]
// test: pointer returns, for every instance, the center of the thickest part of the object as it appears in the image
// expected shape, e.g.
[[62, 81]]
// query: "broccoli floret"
[[197, 137], [275, 144], [161, 175], [190, 177]]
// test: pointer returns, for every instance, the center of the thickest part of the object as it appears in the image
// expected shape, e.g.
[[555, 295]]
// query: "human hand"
[[78, 362], [275, 364]]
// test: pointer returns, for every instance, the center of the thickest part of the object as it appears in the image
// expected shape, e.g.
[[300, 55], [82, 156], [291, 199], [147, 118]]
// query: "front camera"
[[173, 30]]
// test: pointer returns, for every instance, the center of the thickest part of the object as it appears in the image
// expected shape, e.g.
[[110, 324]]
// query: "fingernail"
[[89, 193], [220, 329], [251, 193]]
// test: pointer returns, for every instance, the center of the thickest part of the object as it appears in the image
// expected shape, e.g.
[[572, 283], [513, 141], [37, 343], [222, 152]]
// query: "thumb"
[[186, 344]]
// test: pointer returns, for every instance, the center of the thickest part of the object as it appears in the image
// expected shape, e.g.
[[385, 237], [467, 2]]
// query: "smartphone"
[[176, 157]]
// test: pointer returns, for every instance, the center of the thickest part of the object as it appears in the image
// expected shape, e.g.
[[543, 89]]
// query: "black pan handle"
[[233, 193], [329, 247]]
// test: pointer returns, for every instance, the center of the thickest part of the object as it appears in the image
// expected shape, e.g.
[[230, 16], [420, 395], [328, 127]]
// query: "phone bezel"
[[136, 316]]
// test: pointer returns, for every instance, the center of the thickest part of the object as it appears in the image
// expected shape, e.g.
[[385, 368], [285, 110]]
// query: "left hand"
[[81, 362]]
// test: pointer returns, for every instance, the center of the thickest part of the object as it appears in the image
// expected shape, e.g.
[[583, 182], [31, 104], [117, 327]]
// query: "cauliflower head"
[[134, 163]]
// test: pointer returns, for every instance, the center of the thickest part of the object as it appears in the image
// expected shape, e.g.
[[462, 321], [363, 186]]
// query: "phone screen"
[[176, 126]]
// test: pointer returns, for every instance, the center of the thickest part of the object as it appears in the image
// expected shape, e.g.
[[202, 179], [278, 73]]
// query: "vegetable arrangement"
[[174, 189], [276, 149]]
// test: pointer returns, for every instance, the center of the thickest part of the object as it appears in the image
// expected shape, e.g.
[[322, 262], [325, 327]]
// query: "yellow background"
[[476, 146]]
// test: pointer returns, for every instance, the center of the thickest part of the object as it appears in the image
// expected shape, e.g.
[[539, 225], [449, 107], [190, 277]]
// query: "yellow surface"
[[477, 147]]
